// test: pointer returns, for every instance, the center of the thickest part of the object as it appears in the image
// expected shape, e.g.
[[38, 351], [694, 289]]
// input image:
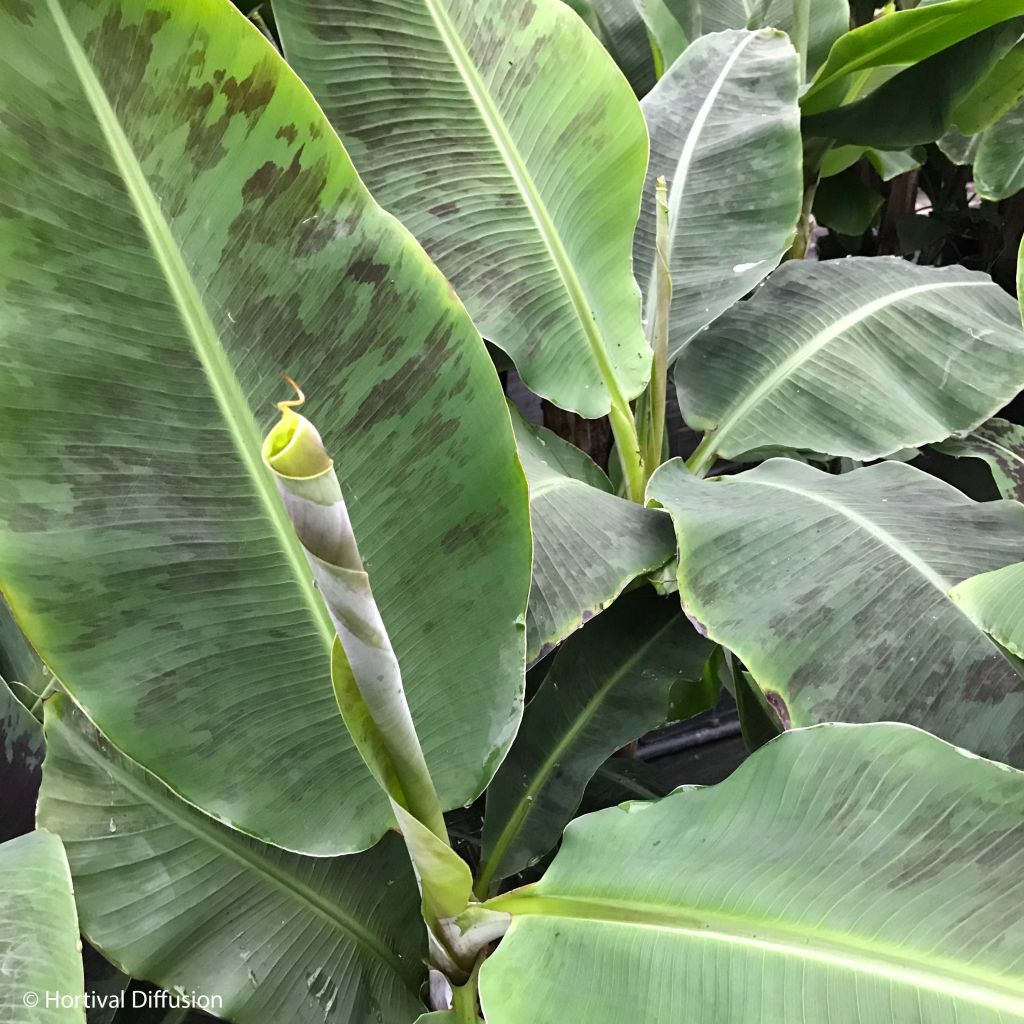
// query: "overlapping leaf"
[[725, 133], [21, 757], [863, 875], [995, 600], [855, 357], [902, 38], [40, 954], [632, 670], [1000, 444], [505, 139], [176, 898], [588, 544], [834, 592], [999, 161], [180, 227], [828, 19]]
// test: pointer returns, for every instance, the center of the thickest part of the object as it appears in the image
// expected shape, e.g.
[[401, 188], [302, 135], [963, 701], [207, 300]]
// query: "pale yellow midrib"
[[200, 329], [509, 152], [773, 937], [817, 342], [232, 845]]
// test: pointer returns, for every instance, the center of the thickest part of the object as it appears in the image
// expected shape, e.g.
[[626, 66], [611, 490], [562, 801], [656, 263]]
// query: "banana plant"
[[314, 643]]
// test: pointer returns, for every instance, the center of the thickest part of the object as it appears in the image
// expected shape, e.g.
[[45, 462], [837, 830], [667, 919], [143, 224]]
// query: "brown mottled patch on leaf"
[[445, 209], [113, 39], [778, 705], [287, 131], [366, 271]]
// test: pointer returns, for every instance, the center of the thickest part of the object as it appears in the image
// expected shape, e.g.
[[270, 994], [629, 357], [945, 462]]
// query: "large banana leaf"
[[40, 953], [994, 96], [176, 898], [1000, 444], [902, 38], [725, 132], [632, 670], [21, 757], [588, 544], [995, 600], [834, 592], [856, 357], [502, 135], [180, 225], [855, 875]]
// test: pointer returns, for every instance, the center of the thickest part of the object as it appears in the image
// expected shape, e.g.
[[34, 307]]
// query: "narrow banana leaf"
[[883, 118], [999, 161], [172, 896], [588, 544], [854, 874], [995, 601], [622, 29], [902, 38], [725, 132], [630, 671], [181, 226], [668, 36], [21, 758], [999, 443], [834, 592], [40, 952], [506, 140], [855, 357]]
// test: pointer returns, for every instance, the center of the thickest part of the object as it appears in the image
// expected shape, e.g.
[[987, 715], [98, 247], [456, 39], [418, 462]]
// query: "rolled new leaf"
[[309, 488]]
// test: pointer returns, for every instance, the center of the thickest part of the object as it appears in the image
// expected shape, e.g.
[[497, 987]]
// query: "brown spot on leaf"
[[287, 131], [778, 705], [445, 209]]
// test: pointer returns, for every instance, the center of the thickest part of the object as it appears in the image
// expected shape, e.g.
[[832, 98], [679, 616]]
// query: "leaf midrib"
[[509, 152], [816, 343], [527, 802], [234, 846], [890, 541], [689, 149], [901, 966], [223, 383]]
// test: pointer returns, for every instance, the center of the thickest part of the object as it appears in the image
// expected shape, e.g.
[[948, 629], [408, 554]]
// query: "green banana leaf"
[[856, 357], [828, 20], [900, 39], [503, 136], [994, 96], [834, 592], [172, 896], [627, 673], [181, 226], [995, 601], [588, 544], [1000, 444], [725, 132], [621, 27], [999, 161], [40, 953], [855, 874], [889, 118], [21, 758]]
